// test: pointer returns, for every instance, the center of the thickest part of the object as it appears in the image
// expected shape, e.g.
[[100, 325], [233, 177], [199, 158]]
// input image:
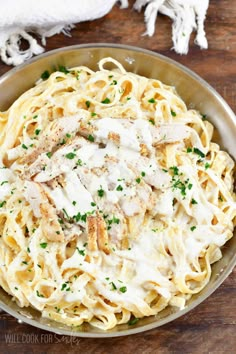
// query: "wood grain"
[[211, 327]]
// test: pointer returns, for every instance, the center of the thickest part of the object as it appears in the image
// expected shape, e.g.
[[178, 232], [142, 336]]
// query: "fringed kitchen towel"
[[19, 19]]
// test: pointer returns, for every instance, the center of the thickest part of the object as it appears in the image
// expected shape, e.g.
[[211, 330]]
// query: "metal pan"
[[194, 91]]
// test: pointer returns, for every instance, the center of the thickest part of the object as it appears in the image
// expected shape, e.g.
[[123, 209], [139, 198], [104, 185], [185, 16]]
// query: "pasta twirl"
[[114, 201]]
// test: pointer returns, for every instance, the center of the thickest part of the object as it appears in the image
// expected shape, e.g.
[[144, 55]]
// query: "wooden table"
[[211, 327]]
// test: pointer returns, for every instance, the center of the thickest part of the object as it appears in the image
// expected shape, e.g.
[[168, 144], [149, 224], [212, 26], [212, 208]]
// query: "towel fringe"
[[187, 16], [11, 52]]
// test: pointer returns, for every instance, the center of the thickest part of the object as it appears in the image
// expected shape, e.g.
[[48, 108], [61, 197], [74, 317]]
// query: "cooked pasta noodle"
[[114, 201]]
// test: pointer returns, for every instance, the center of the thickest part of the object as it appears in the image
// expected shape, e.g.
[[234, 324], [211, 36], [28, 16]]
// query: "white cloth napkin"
[[19, 19]]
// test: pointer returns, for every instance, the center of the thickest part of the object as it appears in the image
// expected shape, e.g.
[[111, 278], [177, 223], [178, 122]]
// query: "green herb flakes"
[[49, 154], [70, 155], [43, 245], [119, 188], [152, 100], [123, 289], [37, 131], [45, 75], [106, 101], [101, 192], [133, 321], [193, 201], [91, 138]]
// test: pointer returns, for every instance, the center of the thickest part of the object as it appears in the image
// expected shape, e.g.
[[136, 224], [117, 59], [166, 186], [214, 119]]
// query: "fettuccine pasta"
[[114, 201]]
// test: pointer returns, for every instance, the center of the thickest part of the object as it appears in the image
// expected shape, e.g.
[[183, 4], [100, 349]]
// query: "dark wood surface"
[[211, 327]]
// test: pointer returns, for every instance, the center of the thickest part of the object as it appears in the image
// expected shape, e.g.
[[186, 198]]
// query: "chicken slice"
[[54, 134], [41, 207], [46, 168], [97, 234]]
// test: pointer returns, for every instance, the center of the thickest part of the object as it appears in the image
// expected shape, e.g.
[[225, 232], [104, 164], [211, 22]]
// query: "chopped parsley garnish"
[[74, 202], [93, 114], [38, 294], [143, 174], [91, 138], [192, 228], [93, 204], [62, 142], [193, 201], [65, 212], [2, 203], [133, 321], [70, 155], [37, 131], [24, 262], [152, 100], [81, 217], [114, 220], [207, 165], [119, 188], [151, 121], [88, 103], [138, 180], [49, 154], [63, 69], [101, 192], [199, 152], [79, 162], [43, 244], [45, 75], [189, 149], [24, 147], [123, 289], [204, 116], [113, 286], [68, 135], [81, 252], [175, 170], [178, 184], [63, 286], [114, 82], [3, 182], [106, 101], [173, 113]]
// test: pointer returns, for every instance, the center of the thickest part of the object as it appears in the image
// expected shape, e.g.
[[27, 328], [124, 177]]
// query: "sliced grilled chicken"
[[56, 133], [42, 208], [97, 234]]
